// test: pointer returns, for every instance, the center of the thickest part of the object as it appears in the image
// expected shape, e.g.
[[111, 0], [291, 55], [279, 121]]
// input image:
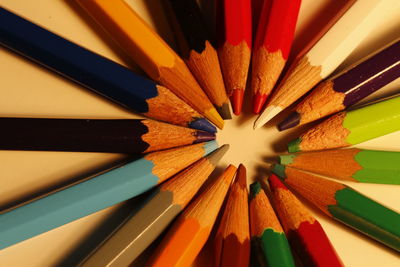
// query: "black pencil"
[[118, 136], [198, 52]]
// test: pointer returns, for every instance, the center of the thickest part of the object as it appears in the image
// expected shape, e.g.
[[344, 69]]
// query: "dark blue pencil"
[[97, 73]]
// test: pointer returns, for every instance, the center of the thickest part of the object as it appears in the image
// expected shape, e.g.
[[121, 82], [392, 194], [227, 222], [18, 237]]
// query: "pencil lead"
[[216, 156], [291, 121], [224, 111], [237, 101], [258, 102], [213, 115], [203, 124], [294, 145]]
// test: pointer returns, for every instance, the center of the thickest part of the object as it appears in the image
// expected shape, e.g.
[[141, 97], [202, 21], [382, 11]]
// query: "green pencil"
[[346, 205], [354, 164], [267, 235], [352, 127]]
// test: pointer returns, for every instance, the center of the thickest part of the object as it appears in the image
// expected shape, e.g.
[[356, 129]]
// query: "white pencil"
[[326, 55]]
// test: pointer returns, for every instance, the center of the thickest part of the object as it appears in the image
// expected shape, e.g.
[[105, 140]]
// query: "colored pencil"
[[151, 53], [304, 232], [352, 127], [234, 23], [97, 73], [118, 136], [268, 238], [326, 55], [348, 87], [272, 47], [191, 230], [96, 192], [201, 56], [354, 164], [346, 205], [232, 240], [134, 235]]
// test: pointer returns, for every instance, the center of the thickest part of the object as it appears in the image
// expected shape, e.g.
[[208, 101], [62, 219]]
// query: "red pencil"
[[272, 46], [234, 47], [305, 234]]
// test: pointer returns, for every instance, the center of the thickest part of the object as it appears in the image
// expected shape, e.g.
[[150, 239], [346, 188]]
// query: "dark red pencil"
[[305, 234]]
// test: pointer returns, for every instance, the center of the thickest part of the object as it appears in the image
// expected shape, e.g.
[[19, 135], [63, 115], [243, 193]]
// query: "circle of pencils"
[[186, 97], [346, 205], [118, 136], [304, 232], [351, 127], [268, 241], [128, 241], [233, 231], [353, 164]]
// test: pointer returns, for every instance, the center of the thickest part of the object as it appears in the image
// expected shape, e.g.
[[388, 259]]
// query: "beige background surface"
[[29, 90]]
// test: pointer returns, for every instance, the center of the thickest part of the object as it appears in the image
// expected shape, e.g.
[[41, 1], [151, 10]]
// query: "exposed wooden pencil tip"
[[241, 176], [216, 156], [224, 111]]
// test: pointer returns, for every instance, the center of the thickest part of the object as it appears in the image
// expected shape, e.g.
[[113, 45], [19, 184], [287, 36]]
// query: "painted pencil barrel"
[[134, 235], [348, 87], [352, 127], [358, 165], [96, 73], [95, 193], [118, 136], [367, 216]]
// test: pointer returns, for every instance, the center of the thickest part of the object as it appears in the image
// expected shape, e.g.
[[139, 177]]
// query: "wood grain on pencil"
[[150, 52], [326, 55], [348, 87], [134, 235], [269, 244], [234, 28], [232, 240], [191, 230], [201, 57], [346, 205], [304, 232], [272, 46]]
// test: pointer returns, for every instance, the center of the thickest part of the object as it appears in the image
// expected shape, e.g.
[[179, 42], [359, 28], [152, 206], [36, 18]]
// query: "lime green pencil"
[[352, 127]]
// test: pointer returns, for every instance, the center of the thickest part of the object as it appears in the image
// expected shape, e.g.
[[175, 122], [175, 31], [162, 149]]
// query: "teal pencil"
[[97, 193]]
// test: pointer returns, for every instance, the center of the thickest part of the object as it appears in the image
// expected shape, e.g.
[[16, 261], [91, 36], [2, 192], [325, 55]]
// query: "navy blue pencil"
[[97, 73]]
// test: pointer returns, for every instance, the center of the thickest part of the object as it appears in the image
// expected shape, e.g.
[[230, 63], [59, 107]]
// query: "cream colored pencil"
[[326, 55]]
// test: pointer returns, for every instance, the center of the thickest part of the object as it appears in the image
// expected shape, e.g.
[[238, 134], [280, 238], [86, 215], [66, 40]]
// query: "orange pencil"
[[233, 233], [190, 232]]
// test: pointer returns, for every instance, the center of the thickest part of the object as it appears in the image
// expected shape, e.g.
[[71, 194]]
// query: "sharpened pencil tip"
[[275, 182], [241, 176], [216, 156], [204, 137], [213, 115], [203, 125], [237, 101], [224, 111], [279, 170], [259, 102], [294, 145], [291, 121], [266, 116], [286, 159]]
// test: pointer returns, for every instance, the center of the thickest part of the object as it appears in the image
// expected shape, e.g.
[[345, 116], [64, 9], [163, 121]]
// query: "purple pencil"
[[348, 87]]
